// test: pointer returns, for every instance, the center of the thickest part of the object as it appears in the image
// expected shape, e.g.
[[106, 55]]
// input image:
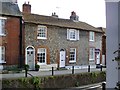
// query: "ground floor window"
[[92, 54], [2, 54], [72, 58], [41, 55]]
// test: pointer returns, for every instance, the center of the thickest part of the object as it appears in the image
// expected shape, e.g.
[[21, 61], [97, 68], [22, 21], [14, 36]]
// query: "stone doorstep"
[[47, 67], [81, 67]]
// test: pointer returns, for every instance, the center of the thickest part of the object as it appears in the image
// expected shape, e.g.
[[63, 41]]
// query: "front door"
[[97, 58], [30, 54], [62, 58]]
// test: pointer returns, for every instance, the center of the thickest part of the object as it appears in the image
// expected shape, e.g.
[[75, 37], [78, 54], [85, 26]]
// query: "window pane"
[[91, 36], [92, 54], [2, 53], [42, 32], [2, 26], [72, 54], [42, 55]]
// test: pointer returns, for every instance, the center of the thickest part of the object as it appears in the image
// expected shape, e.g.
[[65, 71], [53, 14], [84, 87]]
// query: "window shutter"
[[68, 34], [77, 35]]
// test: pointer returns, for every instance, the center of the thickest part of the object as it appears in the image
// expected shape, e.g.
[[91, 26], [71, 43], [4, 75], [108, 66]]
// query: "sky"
[[89, 11]]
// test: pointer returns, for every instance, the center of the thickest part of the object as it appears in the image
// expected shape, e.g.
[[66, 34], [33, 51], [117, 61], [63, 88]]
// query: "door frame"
[[59, 56], [26, 55], [97, 52]]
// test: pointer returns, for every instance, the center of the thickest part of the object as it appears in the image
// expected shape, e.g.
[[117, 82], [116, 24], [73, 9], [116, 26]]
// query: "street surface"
[[47, 73]]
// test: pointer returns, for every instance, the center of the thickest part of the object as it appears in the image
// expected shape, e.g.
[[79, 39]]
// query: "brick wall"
[[12, 40]]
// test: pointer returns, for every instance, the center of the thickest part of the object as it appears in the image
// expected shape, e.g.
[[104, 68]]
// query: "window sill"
[[91, 59], [72, 61], [2, 35], [72, 40], [2, 62], [91, 40], [41, 38]]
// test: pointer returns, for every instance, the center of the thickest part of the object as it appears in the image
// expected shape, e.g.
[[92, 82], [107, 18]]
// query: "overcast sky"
[[89, 11]]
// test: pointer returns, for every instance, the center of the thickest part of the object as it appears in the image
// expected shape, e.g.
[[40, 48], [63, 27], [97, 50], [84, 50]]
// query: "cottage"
[[52, 41], [10, 34]]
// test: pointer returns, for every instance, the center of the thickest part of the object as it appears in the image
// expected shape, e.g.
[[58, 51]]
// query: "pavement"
[[48, 73]]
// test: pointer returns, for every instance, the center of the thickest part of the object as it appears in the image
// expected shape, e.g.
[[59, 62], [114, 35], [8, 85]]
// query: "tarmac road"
[[47, 73]]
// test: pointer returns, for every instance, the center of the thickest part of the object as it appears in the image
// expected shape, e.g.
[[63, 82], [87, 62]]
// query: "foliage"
[[37, 66], [55, 81], [26, 67], [36, 81]]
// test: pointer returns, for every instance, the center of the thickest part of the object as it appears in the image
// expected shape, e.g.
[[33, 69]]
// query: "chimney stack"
[[74, 16], [54, 15], [26, 8]]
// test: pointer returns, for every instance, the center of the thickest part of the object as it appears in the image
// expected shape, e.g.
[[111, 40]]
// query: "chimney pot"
[[74, 16], [26, 8]]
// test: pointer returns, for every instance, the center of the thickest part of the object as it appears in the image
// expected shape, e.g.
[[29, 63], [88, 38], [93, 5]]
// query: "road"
[[47, 73]]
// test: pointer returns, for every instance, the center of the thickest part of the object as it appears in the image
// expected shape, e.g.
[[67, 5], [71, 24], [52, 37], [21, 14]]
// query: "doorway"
[[30, 57], [62, 58]]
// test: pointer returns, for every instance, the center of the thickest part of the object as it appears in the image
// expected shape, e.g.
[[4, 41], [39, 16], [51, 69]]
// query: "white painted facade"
[[113, 40]]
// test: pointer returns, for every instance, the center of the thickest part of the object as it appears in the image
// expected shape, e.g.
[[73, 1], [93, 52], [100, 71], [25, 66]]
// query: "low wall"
[[60, 81]]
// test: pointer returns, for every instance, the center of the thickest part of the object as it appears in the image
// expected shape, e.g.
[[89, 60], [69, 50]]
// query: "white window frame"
[[91, 54], [41, 51], [43, 30], [2, 54], [91, 36], [73, 61], [72, 34], [2, 26]]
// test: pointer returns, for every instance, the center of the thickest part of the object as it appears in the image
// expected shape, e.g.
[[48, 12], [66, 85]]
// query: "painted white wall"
[[112, 24]]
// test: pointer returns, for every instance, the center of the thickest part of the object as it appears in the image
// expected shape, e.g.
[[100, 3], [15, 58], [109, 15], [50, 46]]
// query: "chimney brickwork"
[[26, 8]]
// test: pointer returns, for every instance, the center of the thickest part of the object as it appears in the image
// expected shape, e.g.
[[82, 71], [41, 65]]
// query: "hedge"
[[58, 81]]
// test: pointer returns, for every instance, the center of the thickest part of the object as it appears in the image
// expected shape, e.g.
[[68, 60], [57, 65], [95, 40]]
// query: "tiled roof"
[[102, 29], [9, 8], [49, 20]]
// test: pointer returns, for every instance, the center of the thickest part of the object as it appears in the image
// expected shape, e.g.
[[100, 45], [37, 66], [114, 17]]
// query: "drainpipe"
[[20, 45]]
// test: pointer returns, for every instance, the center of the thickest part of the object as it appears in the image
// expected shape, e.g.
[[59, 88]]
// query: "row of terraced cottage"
[[49, 41]]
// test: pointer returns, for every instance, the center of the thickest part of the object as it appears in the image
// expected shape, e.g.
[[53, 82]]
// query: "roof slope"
[[49, 20], [9, 8]]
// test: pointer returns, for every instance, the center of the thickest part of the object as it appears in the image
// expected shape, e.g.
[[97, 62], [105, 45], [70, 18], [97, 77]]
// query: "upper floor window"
[[42, 32], [72, 34], [72, 58], [2, 54], [2, 26], [91, 36]]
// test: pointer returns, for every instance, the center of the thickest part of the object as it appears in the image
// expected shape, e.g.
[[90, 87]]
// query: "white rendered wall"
[[112, 29]]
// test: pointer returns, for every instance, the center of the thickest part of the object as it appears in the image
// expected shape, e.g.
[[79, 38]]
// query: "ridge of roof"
[[50, 20]]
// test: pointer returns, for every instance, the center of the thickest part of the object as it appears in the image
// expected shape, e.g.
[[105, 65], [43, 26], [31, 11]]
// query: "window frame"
[[2, 28], [2, 54], [74, 36], [43, 32], [75, 56], [91, 58], [39, 52], [92, 36]]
